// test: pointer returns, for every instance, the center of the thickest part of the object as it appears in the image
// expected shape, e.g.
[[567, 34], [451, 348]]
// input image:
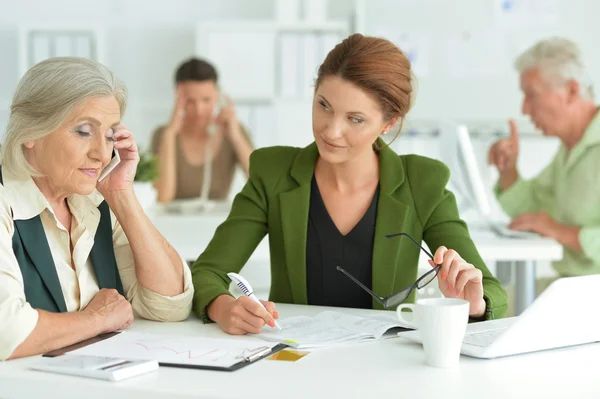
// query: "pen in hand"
[[248, 291]]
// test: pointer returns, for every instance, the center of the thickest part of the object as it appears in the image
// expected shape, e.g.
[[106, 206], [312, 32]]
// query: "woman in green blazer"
[[334, 202]]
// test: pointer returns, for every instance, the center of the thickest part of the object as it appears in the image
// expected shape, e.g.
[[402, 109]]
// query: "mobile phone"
[[111, 165], [221, 103], [104, 368]]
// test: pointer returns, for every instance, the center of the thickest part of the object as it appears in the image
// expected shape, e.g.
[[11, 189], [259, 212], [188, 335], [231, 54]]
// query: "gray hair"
[[560, 60], [45, 97]]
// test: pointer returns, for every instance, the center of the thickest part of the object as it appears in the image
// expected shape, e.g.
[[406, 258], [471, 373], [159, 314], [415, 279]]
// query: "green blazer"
[[275, 200]]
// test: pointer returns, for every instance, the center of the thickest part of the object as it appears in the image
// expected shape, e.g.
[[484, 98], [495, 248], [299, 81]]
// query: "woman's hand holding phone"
[[119, 173], [227, 118], [116, 158]]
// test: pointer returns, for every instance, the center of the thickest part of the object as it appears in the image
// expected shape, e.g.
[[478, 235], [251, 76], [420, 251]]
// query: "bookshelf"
[[43, 41]]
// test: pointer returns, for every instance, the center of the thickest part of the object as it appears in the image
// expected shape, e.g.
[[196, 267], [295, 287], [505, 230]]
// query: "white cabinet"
[[40, 42], [269, 67]]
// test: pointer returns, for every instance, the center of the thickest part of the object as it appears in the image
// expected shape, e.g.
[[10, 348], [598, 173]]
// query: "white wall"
[[493, 96], [145, 40]]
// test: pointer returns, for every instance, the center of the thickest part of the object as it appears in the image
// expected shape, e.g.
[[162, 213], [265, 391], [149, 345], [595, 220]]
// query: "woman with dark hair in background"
[[334, 202], [200, 147]]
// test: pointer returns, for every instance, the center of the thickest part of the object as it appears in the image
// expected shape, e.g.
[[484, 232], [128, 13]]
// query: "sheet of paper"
[[185, 350], [309, 332], [360, 325], [330, 328]]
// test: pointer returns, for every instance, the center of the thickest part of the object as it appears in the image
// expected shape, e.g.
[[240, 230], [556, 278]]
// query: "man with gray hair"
[[563, 201]]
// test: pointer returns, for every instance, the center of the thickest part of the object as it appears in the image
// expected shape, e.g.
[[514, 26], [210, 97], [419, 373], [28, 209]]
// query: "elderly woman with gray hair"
[[78, 257]]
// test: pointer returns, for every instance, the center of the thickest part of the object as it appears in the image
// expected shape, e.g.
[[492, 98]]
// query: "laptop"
[[564, 315], [463, 160]]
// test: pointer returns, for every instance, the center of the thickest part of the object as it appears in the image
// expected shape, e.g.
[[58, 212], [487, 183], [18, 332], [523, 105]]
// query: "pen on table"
[[248, 291]]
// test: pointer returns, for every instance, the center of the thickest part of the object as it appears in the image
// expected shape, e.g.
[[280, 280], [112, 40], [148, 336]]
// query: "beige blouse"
[[190, 177], [21, 199]]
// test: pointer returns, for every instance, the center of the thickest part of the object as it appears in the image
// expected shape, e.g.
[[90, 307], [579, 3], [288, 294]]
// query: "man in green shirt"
[[563, 201]]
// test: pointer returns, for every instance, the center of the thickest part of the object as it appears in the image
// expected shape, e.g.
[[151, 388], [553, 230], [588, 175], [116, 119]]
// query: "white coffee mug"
[[441, 323]]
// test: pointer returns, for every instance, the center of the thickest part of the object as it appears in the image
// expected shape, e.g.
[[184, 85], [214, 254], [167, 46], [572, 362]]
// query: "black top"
[[327, 248]]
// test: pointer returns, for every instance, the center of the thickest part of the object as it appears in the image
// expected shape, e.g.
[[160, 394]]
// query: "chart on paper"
[[183, 350]]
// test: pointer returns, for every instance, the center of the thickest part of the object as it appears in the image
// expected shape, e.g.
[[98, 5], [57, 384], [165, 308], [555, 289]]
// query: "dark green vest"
[[42, 287]]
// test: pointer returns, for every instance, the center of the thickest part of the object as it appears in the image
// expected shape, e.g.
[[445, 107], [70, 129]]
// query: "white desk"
[[522, 252], [190, 234], [391, 368]]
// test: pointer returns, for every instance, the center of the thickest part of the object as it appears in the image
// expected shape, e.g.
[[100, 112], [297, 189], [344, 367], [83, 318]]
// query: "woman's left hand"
[[121, 177], [459, 279]]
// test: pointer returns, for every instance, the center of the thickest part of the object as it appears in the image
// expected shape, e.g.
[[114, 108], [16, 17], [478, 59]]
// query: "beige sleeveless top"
[[190, 177]]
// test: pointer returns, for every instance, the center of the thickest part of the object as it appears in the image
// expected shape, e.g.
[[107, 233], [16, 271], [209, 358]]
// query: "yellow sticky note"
[[288, 355]]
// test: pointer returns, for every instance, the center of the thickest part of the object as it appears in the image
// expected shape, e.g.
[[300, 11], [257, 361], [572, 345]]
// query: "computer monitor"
[[457, 152]]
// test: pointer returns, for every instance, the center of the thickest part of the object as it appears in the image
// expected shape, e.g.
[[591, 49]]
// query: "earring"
[[384, 133]]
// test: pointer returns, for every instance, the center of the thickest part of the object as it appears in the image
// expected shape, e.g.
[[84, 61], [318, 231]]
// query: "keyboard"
[[483, 338], [502, 230]]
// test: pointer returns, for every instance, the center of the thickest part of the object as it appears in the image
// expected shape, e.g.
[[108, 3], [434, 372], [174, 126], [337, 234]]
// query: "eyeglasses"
[[397, 298]]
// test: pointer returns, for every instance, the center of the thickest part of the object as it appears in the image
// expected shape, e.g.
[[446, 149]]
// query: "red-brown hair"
[[375, 65]]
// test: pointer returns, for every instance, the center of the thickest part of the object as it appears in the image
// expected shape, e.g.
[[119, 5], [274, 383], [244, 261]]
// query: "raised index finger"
[[514, 133]]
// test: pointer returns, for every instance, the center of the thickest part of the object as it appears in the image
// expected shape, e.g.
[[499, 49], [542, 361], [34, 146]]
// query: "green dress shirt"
[[569, 191]]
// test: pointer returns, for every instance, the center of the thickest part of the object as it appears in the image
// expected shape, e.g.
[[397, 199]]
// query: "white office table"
[[524, 252], [190, 234], [393, 368]]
